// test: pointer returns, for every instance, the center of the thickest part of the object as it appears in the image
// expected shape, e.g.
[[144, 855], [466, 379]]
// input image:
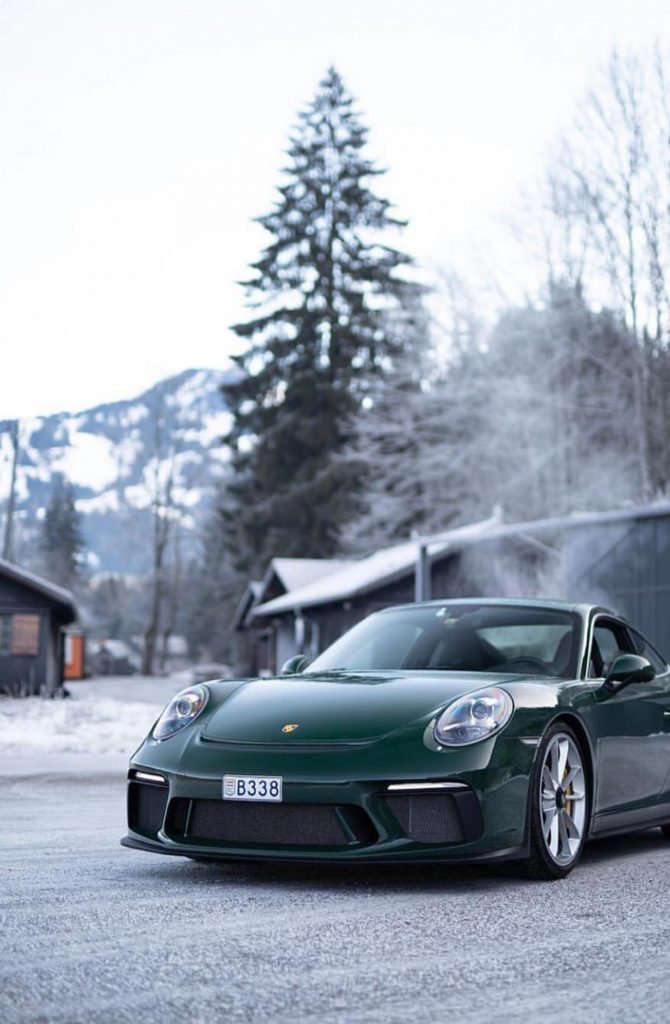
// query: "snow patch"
[[134, 415], [88, 461], [87, 725], [108, 501]]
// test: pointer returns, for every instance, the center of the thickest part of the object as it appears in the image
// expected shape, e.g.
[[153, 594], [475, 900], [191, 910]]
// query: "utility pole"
[[8, 540], [422, 570]]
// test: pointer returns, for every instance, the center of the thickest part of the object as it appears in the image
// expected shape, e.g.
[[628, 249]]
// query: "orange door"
[[74, 656]]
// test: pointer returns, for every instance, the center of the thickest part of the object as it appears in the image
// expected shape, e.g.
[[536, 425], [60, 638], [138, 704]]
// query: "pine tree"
[[329, 298], [61, 542]]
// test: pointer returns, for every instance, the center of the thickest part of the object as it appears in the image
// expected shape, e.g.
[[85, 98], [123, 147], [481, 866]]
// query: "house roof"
[[299, 572], [60, 597], [251, 595], [357, 577], [292, 573], [389, 564], [118, 649]]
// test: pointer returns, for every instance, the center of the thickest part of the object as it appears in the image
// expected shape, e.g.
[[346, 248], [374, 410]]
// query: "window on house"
[[25, 635], [5, 634]]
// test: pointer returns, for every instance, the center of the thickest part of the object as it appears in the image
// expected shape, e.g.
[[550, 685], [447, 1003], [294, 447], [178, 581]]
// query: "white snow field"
[[97, 727]]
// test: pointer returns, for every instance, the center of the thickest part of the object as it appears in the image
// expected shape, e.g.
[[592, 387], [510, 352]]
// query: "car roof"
[[518, 602]]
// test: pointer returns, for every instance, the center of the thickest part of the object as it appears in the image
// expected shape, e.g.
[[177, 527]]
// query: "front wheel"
[[559, 805]]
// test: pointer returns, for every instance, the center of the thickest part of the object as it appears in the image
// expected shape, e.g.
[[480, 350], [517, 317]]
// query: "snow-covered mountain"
[[110, 453]]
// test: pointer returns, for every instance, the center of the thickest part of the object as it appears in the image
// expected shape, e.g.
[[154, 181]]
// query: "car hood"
[[337, 707]]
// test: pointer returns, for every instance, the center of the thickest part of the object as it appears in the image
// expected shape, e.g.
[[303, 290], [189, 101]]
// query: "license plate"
[[252, 787]]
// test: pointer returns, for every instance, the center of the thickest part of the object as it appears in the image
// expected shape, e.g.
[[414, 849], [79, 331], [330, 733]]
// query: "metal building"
[[620, 559]]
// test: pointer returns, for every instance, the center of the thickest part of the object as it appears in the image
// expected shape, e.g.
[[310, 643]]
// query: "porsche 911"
[[469, 731]]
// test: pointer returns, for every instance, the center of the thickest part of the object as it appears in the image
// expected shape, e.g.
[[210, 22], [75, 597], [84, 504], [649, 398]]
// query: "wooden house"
[[33, 616]]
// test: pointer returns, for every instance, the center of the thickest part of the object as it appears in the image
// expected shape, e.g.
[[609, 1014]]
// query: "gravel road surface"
[[91, 932]]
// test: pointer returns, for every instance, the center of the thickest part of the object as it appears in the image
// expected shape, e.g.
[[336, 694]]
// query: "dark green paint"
[[627, 669], [359, 732]]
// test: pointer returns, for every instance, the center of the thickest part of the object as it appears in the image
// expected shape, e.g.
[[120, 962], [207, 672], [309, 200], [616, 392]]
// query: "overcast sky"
[[139, 138]]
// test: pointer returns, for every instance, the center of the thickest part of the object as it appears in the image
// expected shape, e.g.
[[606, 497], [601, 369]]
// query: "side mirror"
[[298, 663], [627, 669]]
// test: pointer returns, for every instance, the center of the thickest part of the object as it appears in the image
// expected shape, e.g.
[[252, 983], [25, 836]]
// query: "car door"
[[632, 744], [661, 697]]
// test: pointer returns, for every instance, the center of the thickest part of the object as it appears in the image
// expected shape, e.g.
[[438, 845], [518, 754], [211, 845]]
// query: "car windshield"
[[459, 638]]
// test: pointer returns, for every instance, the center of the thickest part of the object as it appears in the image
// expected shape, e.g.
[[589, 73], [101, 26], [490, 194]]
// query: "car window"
[[550, 642], [388, 645], [610, 639], [528, 640], [644, 648]]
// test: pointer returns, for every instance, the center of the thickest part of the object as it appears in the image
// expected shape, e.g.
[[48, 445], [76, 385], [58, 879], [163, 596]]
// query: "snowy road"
[[91, 932]]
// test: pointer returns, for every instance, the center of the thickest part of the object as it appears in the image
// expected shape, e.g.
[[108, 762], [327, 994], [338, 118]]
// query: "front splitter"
[[511, 853]]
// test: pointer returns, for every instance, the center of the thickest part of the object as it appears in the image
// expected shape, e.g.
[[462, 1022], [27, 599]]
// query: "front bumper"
[[373, 859], [480, 817]]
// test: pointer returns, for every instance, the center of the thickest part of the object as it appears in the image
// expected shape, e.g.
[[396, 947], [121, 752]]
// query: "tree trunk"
[[8, 541], [151, 632]]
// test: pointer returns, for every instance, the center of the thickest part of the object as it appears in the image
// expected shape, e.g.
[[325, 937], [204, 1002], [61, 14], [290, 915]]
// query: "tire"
[[665, 829], [559, 813]]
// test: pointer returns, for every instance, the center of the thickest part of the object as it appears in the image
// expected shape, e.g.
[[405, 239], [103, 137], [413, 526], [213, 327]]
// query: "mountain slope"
[[111, 453]]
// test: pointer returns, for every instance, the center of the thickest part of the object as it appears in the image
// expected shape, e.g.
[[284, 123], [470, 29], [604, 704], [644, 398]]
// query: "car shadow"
[[599, 851], [405, 878]]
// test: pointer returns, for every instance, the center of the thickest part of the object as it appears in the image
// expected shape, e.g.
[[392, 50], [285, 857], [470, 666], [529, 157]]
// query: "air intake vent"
[[427, 817], [146, 806], [278, 824]]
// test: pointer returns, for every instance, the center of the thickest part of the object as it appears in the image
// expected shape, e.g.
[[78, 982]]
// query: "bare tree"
[[8, 539], [165, 515], [609, 198], [173, 591]]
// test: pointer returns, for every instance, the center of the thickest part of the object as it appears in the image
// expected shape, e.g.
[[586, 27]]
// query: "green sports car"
[[452, 731]]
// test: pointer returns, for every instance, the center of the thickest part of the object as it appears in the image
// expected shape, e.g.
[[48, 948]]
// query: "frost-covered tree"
[[61, 544], [326, 292], [557, 430], [414, 436], [609, 228], [529, 417]]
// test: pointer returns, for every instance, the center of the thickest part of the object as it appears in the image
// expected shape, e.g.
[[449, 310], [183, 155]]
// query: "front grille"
[[271, 824], [146, 805], [427, 817]]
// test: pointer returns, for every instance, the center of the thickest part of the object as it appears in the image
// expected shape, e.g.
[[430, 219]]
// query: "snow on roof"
[[299, 572], [579, 519], [251, 595], [357, 577], [293, 574], [118, 649], [37, 583]]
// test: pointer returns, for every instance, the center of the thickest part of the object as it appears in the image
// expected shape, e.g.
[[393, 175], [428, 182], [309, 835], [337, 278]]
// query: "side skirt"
[[628, 821]]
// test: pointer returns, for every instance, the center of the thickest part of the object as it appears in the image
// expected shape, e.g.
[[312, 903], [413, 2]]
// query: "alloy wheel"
[[563, 799]]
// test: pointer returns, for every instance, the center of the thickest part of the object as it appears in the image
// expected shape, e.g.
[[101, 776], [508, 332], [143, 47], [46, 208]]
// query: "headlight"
[[475, 717], [181, 711]]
